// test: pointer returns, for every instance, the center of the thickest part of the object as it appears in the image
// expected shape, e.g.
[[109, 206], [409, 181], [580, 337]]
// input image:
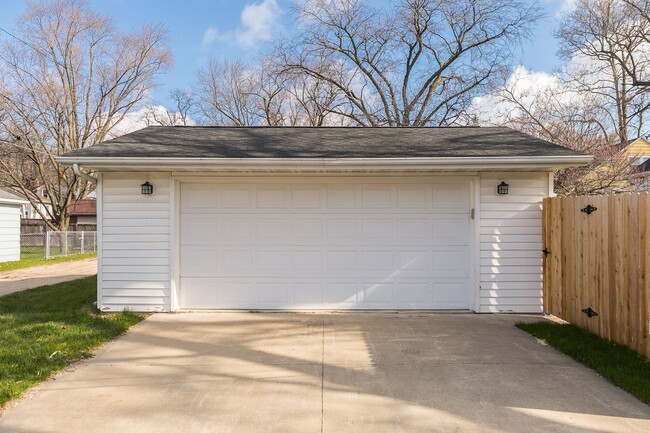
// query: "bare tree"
[[419, 63], [179, 115], [642, 10], [69, 77], [607, 43], [577, 120], [226, 93], [316, 102], [235, 94]]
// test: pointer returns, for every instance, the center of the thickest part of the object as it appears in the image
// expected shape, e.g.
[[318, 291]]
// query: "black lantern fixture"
[[147, 188], [502, 188]]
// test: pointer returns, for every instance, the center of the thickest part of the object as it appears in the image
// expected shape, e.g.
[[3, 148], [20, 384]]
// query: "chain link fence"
[[57, 244]]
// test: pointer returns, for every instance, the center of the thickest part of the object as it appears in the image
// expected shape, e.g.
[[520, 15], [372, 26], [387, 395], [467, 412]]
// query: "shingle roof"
[[322, 142], [8, 197], [83, 207]]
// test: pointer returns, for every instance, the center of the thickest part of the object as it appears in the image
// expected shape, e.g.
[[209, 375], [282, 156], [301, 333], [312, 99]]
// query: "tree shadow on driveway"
[[374, 372]]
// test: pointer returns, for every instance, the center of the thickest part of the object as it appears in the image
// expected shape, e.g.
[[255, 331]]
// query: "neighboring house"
[[83, 215], [637, 152], [10, 205], [28, 210], [627, 169], [322, 218]]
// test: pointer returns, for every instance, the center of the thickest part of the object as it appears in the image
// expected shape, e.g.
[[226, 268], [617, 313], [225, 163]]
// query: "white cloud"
[[566, 7], [210, 36], [258, 23], [525, 84], [150, 115]]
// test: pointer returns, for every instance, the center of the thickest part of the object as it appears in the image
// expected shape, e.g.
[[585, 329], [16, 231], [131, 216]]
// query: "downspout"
[[85, 176]]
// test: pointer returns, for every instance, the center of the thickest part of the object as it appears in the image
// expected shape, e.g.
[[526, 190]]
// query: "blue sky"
[[200, 29]]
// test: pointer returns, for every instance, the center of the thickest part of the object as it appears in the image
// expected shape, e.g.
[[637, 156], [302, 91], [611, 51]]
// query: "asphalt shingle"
[[323, 142]]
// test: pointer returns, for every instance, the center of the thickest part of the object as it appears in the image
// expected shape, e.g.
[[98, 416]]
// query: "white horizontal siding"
[[135, 243], [510, 236], [9, 232]]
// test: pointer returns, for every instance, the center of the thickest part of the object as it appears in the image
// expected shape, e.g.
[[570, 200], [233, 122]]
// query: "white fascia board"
[[14, 202], [334, 164]]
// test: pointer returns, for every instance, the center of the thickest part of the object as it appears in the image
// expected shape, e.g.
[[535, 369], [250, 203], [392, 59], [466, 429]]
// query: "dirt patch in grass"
[[38, 261]]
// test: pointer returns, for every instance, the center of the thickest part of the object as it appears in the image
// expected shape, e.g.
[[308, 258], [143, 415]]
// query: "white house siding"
[[511, 242], [134, 242], [9, 232]]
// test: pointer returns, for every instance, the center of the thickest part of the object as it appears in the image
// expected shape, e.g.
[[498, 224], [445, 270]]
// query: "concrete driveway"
[[35, 276], [236, 372]]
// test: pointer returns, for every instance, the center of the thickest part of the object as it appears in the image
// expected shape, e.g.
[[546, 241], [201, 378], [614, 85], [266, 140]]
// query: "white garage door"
[[318, 243]]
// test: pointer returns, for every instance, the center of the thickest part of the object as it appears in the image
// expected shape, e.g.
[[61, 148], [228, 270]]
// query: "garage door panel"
[[342, 293], [272, 295], [450, 295], [198, 230], [341, 229], [199, 262], [377, 261], [450, 231], [450, 198], [200, 293], [199, 198], [306, 229], [414, 295], [236, 197], [233, 262], [272, 263], [413, 197], [271, 198], [306, 295], [339, 261], [307, 261], [272, 230], [377, 197], [332, 246], [341, 198], [377, 229], [378, 295], [414, 230], [450, 263], [306, 198], [413, 261], [235, 230]]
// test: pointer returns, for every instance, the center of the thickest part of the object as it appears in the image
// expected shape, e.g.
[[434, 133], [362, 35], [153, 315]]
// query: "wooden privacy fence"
[[597, 260]]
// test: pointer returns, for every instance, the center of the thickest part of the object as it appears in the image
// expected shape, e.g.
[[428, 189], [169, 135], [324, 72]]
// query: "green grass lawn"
[[30, 253], [44, 329], [618, 364], [32, 259]]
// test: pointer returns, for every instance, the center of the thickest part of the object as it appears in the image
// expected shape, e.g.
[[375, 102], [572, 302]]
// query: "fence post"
[[82, 241], [47, 244]]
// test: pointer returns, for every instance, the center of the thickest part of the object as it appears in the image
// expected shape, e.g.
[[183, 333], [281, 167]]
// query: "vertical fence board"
[[644, 272], [602, 261]]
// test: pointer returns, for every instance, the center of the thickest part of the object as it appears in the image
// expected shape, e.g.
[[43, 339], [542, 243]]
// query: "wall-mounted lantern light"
[[147, 188], [502, 188]]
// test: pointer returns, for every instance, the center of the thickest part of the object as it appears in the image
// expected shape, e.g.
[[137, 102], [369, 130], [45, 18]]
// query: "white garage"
[[314, 243], [10, 205], [257, 218]]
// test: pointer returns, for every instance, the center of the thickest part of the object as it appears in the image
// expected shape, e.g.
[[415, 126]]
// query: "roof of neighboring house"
[[7, 197], [635, 146], [83, 207], [321, 142]]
